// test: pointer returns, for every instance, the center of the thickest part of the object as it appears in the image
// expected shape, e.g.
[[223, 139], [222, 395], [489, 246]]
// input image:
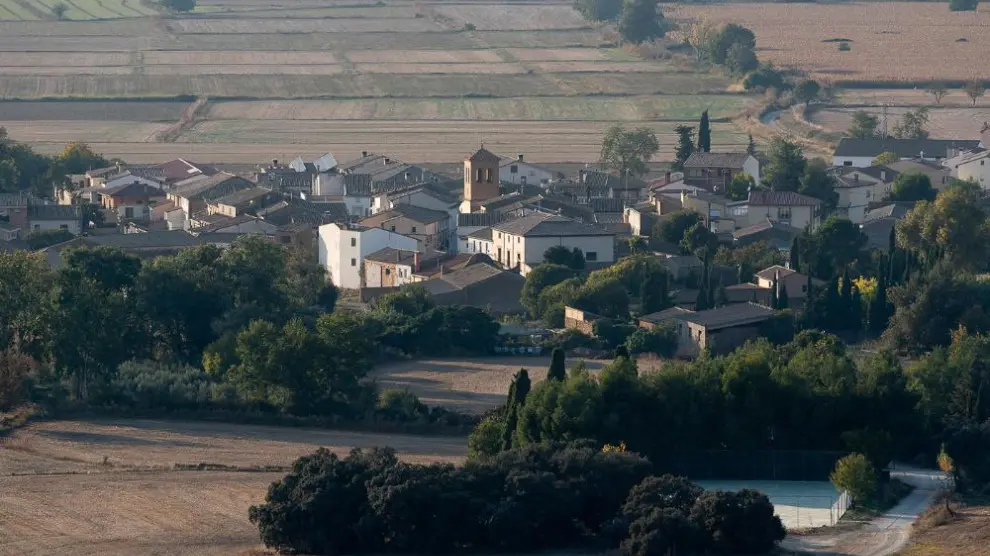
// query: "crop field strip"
[[899, 42]]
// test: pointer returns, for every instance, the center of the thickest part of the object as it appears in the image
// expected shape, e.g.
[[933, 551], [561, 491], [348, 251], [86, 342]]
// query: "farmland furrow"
[[73, 6], [109, 9], [4, 13], [33, 9]]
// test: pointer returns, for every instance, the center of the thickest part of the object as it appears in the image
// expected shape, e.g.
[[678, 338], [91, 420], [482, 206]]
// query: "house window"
[[63, 226], [129, 212], [37, 226], [481, 174], [388, 272], [847, 163], [518, 240], [513, 169], [353, 242], [353, 262], [591, 256], [414, 229], [285, 239], [392, 228], [784, 213], [518, 256], [804, 288]]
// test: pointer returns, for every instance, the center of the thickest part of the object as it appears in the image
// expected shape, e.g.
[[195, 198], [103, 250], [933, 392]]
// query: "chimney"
[[274, 162], [408, 175], [387, 161], [666, 178], [416, 261], [364, 154], [856, 178], [519, 157], [581, 174]]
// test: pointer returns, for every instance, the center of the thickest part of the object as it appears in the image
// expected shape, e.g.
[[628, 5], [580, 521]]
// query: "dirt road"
[[885, 535]]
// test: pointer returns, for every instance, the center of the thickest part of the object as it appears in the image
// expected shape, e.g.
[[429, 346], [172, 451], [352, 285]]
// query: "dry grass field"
[[945, 123], [100, 487], [523, 70], [472, 385], [901, 41]]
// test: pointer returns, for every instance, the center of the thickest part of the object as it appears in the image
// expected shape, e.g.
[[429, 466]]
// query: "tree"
[[44, 238], [937, 90], [660, 340], [704, 134], [911, 187], [786, 167], [699, 237], [599, 10], [685, 146], [640, 21], [180, 5], [672, 228], [558, 369], [729, 36], [741, 59], [855, 473], [629, 152], [654, 293], [660, 532], [59, 9], [701, 38], [834, 246], [807, 91], [819, 183], [738, 522], [751, 146], [885, 158], [77, 158], [974, 90], [963, 5], [740, 186], [954, 225], [913, 124], [864, 125], [561, 256], [539, 279]]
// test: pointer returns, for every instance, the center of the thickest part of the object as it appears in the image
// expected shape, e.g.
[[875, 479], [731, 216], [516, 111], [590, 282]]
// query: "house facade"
[[521, 243], [519, 172], [859, 188], [975, 167], [342, 249], [131, 201], [719, 331], [391, 267], [796, 210], [860, 153], [430, 227], [714, 171]]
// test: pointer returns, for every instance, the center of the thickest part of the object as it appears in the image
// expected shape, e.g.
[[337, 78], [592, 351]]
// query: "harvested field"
[[271, 70], [427, 69], [906, 41], [324, 41], [945, 123], [27, 10], [472, 385], [555, 38], [72, 59], [354, 25], [98, 487], [131, 514], [680, 107], [111, 29], [439, 141], [905, 97], [507, 17], [102, 112], [66, 70], [236, 57], [423, 56], [390, 12], [558, 54], [61, 132], [599, 67], [156, 444]]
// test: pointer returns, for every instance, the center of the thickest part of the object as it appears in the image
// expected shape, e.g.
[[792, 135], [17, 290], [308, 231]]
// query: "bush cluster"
[[541, 497]]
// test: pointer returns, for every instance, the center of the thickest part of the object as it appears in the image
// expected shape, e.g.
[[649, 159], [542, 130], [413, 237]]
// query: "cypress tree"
[[751, 146], [892, 241], [856, 310], [557, 371], [783, 301], [846, 310], [511, 422], [773, 294], [795, 254], [704, 134], [522, 386]]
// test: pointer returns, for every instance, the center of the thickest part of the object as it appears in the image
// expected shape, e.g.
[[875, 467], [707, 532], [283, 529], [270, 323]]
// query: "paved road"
[[885, 535]]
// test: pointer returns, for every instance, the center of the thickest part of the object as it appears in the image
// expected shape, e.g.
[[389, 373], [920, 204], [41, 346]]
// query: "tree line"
[[249, 327], [23, 170], [549, 496]]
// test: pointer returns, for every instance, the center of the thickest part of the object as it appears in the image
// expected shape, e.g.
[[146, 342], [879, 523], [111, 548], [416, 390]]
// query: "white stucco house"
[[858, 188], [517, 171], [522, 242], [860, 153], [343, 248], [973, 167]]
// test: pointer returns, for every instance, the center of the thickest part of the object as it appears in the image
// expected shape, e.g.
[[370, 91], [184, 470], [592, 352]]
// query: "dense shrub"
[[856, 474], [738, 522]]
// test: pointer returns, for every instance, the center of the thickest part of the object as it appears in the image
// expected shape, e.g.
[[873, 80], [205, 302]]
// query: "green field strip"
[[109, 9], [74, 7], [32, 9], [124, 5], [7, 15]]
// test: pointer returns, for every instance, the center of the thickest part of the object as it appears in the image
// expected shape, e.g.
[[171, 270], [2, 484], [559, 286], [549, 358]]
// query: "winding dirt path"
[[885, 535]]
